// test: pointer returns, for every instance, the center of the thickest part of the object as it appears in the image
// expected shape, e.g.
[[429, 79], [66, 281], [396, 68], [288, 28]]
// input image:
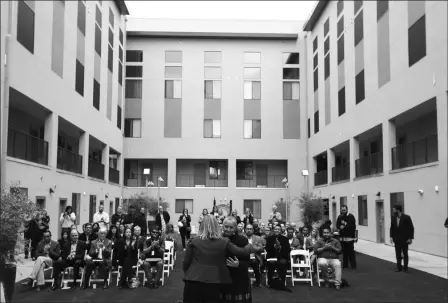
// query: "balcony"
[[415, 153], [340, 172], [114, 175], [69, 161], [321, 178], [188, 180], [369, 165], [201, 173], [269, 181], [96, 170], [26, 147], [139, 180]]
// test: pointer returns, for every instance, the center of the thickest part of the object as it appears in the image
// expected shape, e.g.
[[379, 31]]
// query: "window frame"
[[252, 53], [414, 41], [213, 136], [363, 211], [130, 123], [184, 201], [23, 33]]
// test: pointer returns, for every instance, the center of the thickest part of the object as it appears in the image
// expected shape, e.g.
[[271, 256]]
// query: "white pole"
[[158, 194]]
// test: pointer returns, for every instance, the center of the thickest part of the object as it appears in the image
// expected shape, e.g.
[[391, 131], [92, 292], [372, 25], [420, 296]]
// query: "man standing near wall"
[[346, 223], [401, 234]]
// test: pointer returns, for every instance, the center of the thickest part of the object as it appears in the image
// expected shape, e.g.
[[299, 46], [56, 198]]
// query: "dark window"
[[341, 49], [327, 66], [316, 79], [120, 73], [119, 116], [111, 17], [315, 44], [79, 84], [121, 36], [309, 127], [341, 26], [327, 45], [358, 5], [315, 61], [25, 26], [381, 8], [134, 71], [82, 17], [132, 128], [291, 58], [96, 94], [326, 27], [111, 37], [341, 101], [359, 86], [340, 6], [120, 54], [291, 73], [316, 122], [359, 28], [110, 59], [98, 40], [134, 56], [417, 41], [99, 17], [133, 89]]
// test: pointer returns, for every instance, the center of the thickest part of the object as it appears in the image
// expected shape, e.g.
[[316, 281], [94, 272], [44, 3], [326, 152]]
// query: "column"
[[172, 176], [389, 142], [330, 164], [51, 136], [105, 161], [120, 167], [84, 152], [354, 155], [231, 174]]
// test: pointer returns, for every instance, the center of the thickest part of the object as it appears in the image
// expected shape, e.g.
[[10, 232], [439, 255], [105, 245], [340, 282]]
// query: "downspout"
[[307, 178]]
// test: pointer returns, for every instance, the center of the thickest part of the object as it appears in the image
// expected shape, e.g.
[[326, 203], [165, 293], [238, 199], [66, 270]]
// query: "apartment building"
[[62, 100], [377, 114]]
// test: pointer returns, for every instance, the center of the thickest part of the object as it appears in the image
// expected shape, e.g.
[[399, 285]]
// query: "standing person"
[[201, 217], [67, 219], [166, 219], [127, 256], [143, 223], [346, 223], [235, 215], [131, 218], [275, 215], [185, 229], [37, 228], [118, 216], [401, 234], [248, 218], [45, 219], [102, 218]]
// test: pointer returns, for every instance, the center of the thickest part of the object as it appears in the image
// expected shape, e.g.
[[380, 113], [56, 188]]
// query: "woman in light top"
[[67, 219]]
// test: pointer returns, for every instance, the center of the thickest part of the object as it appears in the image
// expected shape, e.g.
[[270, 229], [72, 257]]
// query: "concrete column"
[[330, 164], [51, 136], [354, 155], [105, 161], [84, 152], [231, 173], [389, 142], [120, 168], [172, 166], [312, 172]]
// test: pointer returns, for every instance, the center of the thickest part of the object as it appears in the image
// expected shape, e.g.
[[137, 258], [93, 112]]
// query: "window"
[[99, 17], [340, 6], [120, 73], [98, 40], [111, 37], [359, 86], [358, 5], [291, 91], [252, 90], [212, 57], [315, 45], [341, 26], [326, 27], [381, 8], [417, 41], [341, 49], [79, 84], [120, 54], [291, 58], [252, 129], [182, 204], [315, 61], [254, 207], [173, 89], [327, 66], [341, 101], [252, 73], [20, 191], [132, 128], [362, 210], [110, 59], [76, 205], [316, 79], [111, 17], [342, 201], [212, 72], [96, 94], [119, 117], [316, 122], [309, 127], [396, 198], [134, 56], [244, 170], [25, 26], [173, 57], [121, 37], [92, 207], [173, 71], [215, 170], [212, 128], [359, 28], [133, 71], [291, 73], [212, 89], [133, 89], [327, 45], [252, 58], [82, 17]]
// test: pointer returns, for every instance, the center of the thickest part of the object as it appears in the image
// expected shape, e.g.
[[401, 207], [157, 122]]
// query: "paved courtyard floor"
[[374, 281]]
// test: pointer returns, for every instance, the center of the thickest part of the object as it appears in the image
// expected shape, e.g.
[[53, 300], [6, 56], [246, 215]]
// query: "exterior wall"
[[407, 88]]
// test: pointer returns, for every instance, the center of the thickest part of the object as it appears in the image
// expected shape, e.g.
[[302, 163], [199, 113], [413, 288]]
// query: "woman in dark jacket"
[[127, 256], [114, 236], [185, 230], [248, 218], [65, 238]]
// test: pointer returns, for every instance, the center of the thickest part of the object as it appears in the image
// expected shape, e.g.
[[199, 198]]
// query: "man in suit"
[[132, 218], [153, 247], [401, 234], [294, 243], [138, 237], [47, 251], [87, 236], [118, 216], [256, 260], [99, 256], [72, 255], [166, 218], [277, 246], [346, 223]]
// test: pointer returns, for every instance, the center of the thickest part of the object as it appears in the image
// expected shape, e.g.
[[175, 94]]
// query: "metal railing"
[[114, 175], [269, 181], [96, 170], [187, 180], [26, 147], [321, 177], [139, 180], [340, 172], [415, 153], [369, 165], [69, 161]]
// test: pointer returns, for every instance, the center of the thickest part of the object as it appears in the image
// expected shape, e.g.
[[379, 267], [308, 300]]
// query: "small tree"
[[312, 209], [140, 200]]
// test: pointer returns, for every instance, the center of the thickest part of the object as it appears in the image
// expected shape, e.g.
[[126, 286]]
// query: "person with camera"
[[67, 219]]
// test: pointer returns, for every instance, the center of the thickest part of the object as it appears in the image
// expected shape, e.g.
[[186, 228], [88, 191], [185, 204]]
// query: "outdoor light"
[[84, 193], [420, 191], [333, 197], [146, 171], [378, 194], [436, 189], [107, 196], [150, 183], [305, 172], [51, 190]]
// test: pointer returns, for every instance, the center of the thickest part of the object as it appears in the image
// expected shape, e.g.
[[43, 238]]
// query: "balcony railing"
[[269, 181], [187, 180], [321, 177], [369, 165], [415, 153], [139, 180], [114, 175], [96, 170], [340, 172], [69, 161], [26, 147]]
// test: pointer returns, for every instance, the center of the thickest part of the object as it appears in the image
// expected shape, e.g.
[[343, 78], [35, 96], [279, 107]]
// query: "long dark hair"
[[110, 234]]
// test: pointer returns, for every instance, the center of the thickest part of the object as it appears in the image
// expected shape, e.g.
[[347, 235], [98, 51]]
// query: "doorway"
[[380, 230], [92, 207], [333, 215], [326, 215], [40, 202], [62, 206], [111, 208]]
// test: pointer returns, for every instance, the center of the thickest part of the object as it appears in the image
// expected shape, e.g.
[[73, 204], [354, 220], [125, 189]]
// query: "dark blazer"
[[87, 241], [187, 219], [403, 232], [166, 217], [126, 252], [116, 217], [55, 250], [271, 252], [248, 219], [349, 225], [80, 250], [107, 249]]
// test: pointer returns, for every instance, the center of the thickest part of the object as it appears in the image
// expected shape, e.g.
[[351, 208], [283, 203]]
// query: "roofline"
[[224, 35], [315, 15], [122, 8]]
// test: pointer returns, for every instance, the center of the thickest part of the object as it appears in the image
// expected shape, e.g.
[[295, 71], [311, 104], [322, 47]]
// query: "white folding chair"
[[163, 271], [318, 271], [67, 270], [301, 263], [136, 267], [168, 256], [251, 272], [51, 280], [97, 280]]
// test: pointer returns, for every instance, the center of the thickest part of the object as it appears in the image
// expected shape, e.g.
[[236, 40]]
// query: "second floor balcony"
[[114, 175], [96, 170], [415, 153], [321, 178], [26, 147], [369, 165], [139, 180], [261, 181], [69, 161], [340, 172]]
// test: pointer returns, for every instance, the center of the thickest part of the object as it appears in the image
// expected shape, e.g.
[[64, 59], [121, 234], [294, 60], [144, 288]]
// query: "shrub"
[[140, 200], [312, 209]]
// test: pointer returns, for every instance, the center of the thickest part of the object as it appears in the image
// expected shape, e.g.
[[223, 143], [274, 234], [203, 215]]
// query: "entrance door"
[[333, 215], [111, 208], [326, 210], [62, 205], [92, 207], [380, 230]]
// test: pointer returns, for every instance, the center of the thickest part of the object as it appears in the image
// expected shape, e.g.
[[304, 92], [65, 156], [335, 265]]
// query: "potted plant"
[[15, 210], [312, 209]]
